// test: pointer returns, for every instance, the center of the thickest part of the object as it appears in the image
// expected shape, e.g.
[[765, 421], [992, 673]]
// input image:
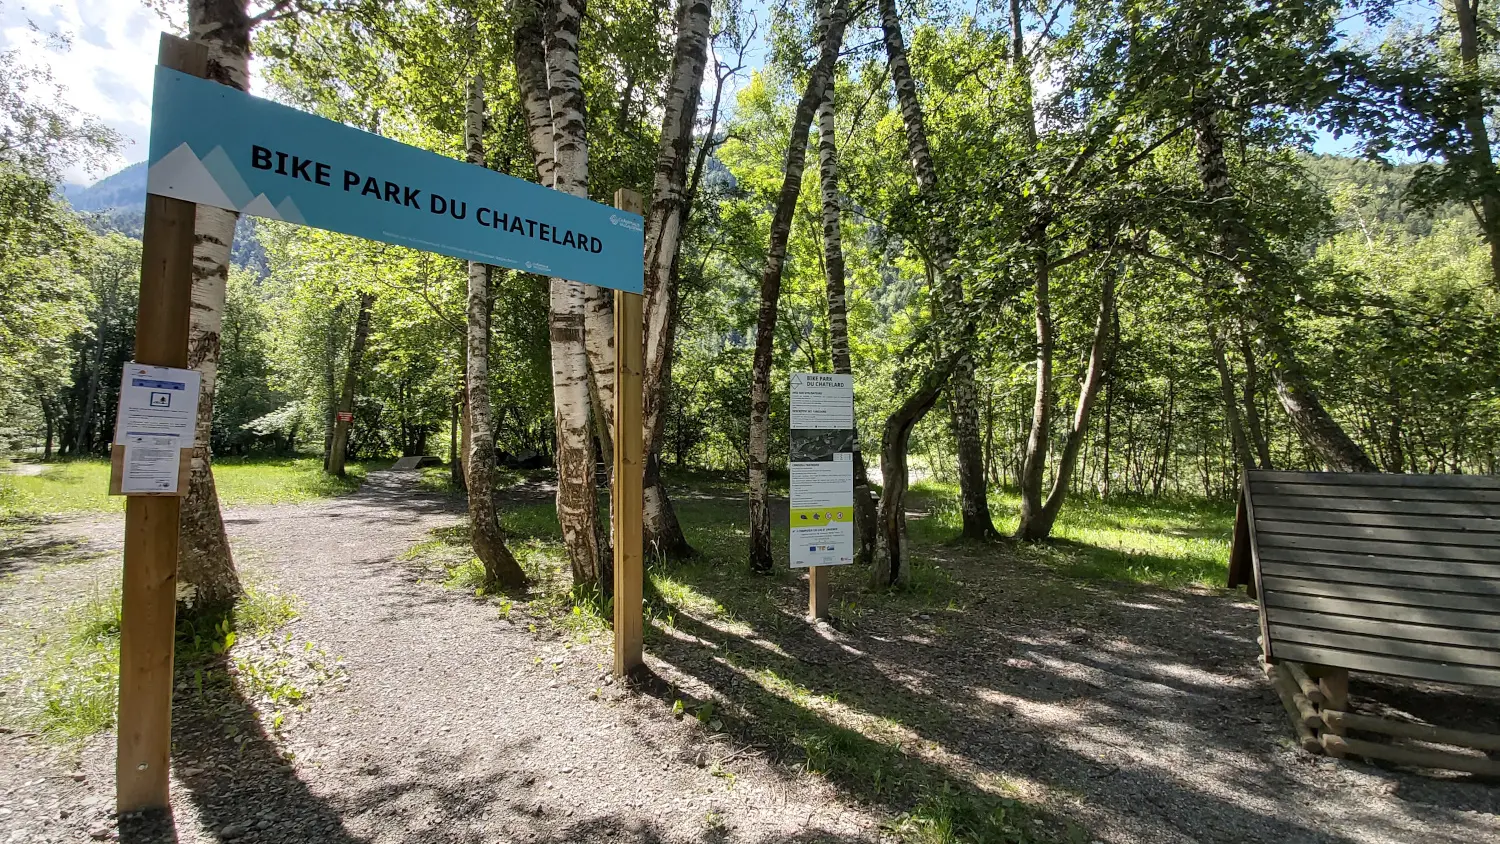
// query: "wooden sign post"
[[629, 515], [214, 146], [818, 591], [148, 609]]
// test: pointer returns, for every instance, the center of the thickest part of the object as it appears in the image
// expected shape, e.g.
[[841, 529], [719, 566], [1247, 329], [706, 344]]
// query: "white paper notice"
[[157, 417], [822, 470], [151, 464]]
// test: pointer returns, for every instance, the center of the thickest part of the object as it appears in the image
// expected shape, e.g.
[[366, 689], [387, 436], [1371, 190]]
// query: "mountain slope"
[[125, 189]]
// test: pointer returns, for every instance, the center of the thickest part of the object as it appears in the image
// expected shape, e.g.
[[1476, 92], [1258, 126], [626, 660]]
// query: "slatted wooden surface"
[[1392, 574]]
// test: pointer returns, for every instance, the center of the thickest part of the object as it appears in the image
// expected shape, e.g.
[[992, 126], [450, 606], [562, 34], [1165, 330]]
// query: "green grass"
[[1162, 542], [534, 537], [68, 689], [83, 485]]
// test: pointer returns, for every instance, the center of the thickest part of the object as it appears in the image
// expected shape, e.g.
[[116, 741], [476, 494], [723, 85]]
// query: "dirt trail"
[[452, 726], [1137, 712]]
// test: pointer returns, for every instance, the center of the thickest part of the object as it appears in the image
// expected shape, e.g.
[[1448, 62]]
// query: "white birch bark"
[[531, 76], [205, 564], [949, 292], [838, 310], [831, 27], [664, 223], [577, 503], [500, 568]]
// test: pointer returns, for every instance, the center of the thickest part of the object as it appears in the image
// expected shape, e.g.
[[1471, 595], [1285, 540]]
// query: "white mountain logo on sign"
[[213, 180]]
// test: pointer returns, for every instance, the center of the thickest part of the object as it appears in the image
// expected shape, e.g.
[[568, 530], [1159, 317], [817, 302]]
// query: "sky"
[[106, 68]]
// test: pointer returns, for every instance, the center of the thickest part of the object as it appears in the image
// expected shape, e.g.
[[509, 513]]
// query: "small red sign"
[[346, 417]]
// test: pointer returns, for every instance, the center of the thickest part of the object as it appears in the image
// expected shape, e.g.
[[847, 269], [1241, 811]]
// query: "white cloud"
[[106, 70]]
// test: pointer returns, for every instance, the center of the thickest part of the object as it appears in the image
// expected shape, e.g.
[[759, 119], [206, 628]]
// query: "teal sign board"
[[213, 145]]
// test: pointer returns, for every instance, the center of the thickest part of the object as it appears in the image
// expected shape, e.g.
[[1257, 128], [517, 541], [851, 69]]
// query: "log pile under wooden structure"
[[1388, 574]]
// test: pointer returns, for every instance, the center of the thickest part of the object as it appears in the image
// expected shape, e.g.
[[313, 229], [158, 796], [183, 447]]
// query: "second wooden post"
[[630, 440], [148, 601]]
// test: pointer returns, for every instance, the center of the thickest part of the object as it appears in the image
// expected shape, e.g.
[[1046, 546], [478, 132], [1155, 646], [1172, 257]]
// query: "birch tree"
[[546, 58], [500, 568], [963, 396], [205, 564], [833, 17], [838, 310], [1256, 268], [1038, 524], [665, 220]]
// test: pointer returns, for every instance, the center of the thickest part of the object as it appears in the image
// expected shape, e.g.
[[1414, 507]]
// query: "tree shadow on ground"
[[1136, 708], [26, 546], [232, 772]]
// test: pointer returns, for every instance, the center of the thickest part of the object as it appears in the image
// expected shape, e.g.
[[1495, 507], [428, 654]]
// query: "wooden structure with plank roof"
[[1386, 574]]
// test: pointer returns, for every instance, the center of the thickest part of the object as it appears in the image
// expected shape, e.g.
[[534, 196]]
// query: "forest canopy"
[[1086, 248]]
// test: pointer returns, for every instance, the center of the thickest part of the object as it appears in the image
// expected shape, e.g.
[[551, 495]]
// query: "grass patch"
[[14, 502], [83, 485], [534, 537], [945, 815], [437, 479], [1162, 542], [69, 688]]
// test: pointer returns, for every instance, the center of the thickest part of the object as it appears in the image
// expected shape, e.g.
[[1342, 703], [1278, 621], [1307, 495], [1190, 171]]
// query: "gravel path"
[[452, 726], [1136, 712]]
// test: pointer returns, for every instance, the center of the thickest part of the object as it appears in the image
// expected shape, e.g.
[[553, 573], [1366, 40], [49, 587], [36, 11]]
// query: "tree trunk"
[[205, 564], [1251, 398], [599, 341], [1170, 425], [834, 15], [1034, 461], [500, 568], [459, 420], [889, 563], [665, 221], [963, 406], [546, 57], [1237, 244], [330, 378], [85, 439], [1094, 375], [838, 312], [1109, 419], [991, 470], [1487, 211], [949, 295], [1242, 450], [1396, 457], [49, 421], [334, 465]]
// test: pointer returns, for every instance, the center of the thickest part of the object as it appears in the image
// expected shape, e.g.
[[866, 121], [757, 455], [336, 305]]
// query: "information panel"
[[214, 145], [822, 469], [156, 420]]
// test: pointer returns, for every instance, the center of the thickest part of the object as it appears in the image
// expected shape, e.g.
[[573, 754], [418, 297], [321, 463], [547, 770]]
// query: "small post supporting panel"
[[628, 510], [148, 612], [818, 591]]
